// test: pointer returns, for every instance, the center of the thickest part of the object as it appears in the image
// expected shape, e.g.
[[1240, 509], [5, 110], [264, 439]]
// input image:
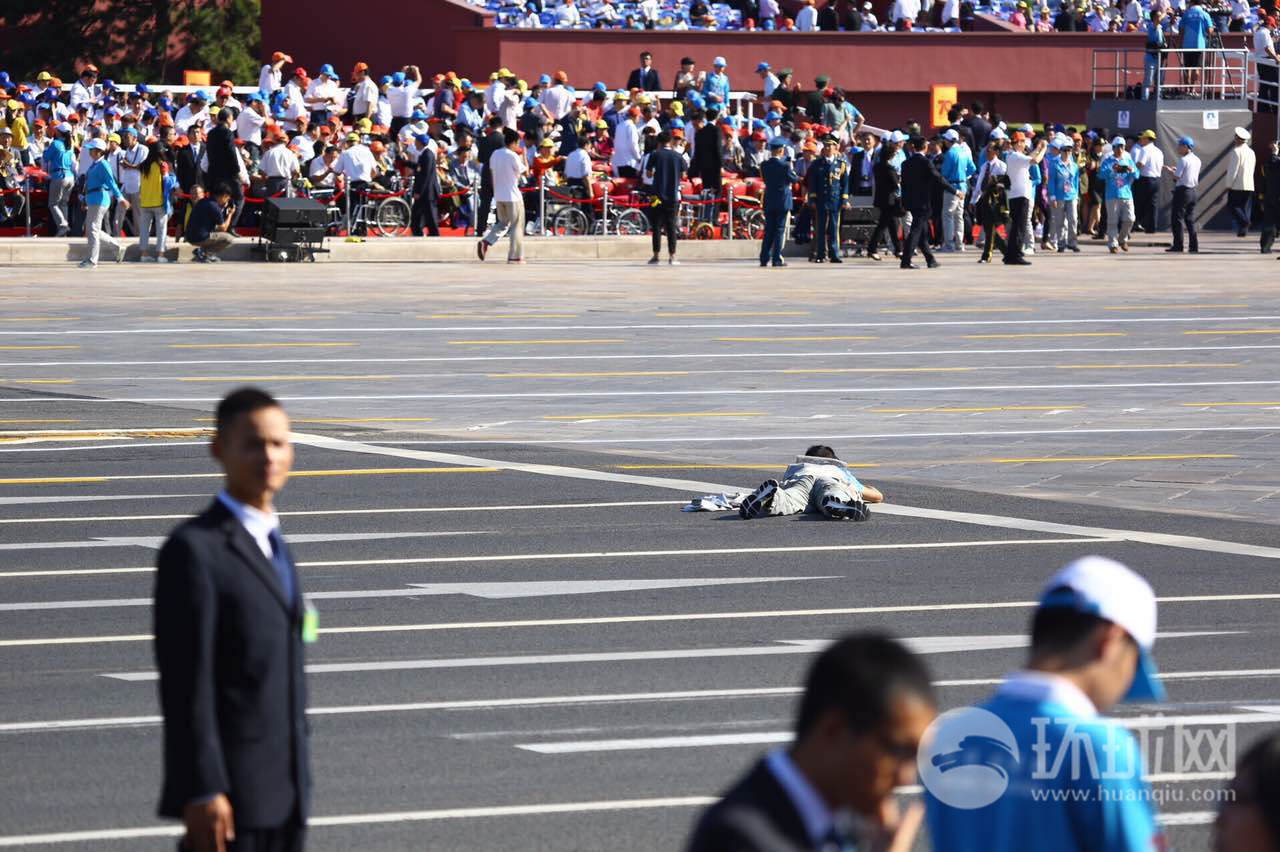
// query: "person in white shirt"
[[558, 99], [626, 145], [271, 77], [322, 174], [770, 80], [869, 21], [807, 18], [507, 166], [950, 13], [1240, 168], [530, 20], [323, 98], [567, 15], [1133, 13], [128, 162], [1186, 179], [365, 100], [416, 127], [577, 166], [85, 89], [1264, 54], [295, 105], [279, 165], [196, 111], [904, 11], [1019, 165], [401, 94], [358, 167], [650, 11], [1149, 159], [1239, 15], [249, 125]]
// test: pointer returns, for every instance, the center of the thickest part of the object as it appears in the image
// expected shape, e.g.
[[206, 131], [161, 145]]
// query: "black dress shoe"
[[907, 266], [1022, 261], [933, 264], [834, 260], [1174, 249]]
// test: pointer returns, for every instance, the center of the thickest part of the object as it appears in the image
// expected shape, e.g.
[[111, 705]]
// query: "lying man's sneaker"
[[759, 501], [845, 510]]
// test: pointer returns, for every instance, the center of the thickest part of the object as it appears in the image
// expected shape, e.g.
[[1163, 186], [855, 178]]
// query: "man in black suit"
[[708, 161], [426, 189], [224, 160], [862, 165], [645, 77], [977, 123], [867, 703], [920, 179], [229, 628]]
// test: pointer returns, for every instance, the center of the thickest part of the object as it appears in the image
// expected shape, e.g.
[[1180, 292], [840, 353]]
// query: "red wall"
[[1026, 77]]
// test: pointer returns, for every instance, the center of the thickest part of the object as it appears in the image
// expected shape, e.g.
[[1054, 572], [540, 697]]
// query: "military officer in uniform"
[[828, 181]]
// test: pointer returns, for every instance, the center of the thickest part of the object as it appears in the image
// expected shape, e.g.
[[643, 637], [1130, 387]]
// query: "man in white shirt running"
[[506, 165]]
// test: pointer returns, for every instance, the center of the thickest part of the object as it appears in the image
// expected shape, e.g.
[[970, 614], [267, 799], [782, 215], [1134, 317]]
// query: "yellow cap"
[[114, 137], [44, 75]]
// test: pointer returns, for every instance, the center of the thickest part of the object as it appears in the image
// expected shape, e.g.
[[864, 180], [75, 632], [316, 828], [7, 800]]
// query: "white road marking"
[[1111, 320], [310, 512], [702, 392], [919, 644], [155, 541], [687, 356]]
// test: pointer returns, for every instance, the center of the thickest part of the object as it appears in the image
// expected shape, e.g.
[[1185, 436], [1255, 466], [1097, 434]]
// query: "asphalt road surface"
[[524, 642]]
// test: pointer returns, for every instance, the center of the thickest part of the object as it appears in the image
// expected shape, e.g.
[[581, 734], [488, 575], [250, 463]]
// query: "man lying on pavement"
[[816, 482]]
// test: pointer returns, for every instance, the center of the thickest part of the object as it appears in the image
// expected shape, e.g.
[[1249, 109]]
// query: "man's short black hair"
[[862, 675], [495, 121], [644, 54], [241, 401], [664, 137], [954, 113], [977, 108], [1060, 629], [821, 451], [221, 190], [509, 137]]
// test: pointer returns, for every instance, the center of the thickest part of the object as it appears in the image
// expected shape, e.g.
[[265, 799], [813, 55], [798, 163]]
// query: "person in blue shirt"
[[61, 166], [1118, 173], [1036, 766], [1064, 196], [957, 167], [717, 82], [1151, 60], [100, 188], [1195, 26], [778, 179]]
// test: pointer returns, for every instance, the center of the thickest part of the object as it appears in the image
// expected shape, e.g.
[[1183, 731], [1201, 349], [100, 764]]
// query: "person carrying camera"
[[1117, 173]]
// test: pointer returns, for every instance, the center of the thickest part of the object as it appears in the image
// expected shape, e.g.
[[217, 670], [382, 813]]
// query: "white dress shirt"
[[1019, 170], [268, 79], [356, 163], [1149, 159], [559, 100], [258, 524], [626, 145], [279, 162], [506, 166], [249, 126], [577, 164], [366, 99], [131, 179], [1188, 173], [807, 20]]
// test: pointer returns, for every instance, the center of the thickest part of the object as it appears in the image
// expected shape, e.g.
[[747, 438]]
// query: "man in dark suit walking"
[[645, 77], [224, 161], [229, 628], [867, 703], [978, 125], [778, 179], [708, 160], [920, 179], [426, 190]]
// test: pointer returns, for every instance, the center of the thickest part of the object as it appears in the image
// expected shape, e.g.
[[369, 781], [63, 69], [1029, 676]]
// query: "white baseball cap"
[[1103, 587], [96, 145], [1118, 142], [951, 135], [998, 134]]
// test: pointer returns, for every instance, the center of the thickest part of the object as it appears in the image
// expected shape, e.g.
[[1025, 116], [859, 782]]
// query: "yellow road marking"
[[1219, 404], [1138, 366], [38, 319], [377, 471], [1239, 331], [585, 375], [956, 310], [90, 435], [366, 420], [1167, 307], [654, 415], [43, 346], [241, 318], [494, 316], [43, 381], [968, 410], [26, 422], [257, 345], [792, 339], [283, 378], [1045, 334], [732, 314], [548, 342], [880, 370]]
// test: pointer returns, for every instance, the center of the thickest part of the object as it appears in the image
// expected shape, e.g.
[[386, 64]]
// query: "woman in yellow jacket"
[[156, 200]]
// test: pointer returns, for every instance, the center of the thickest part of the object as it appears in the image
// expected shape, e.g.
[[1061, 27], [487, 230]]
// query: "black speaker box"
[[283, 213]]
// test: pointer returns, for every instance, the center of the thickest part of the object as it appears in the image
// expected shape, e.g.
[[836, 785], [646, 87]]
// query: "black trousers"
[[1184, 211], [1270, 222], [1017, 229], [486, 201], [886, 224], [662, 217], [990, 239], [628, 172], [290, 837], [425, 215], [1241, 203], [1144, 203], [917, 238]]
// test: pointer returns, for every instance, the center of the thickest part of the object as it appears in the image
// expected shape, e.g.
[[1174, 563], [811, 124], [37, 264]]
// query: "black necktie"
[[283, 563]]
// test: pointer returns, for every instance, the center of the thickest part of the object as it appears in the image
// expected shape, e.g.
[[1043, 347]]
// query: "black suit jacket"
[[858, 185], [707, 162], [920, 179], [187, 166], [223, 167], [426, 176], [229, 649], [981, 129], [886, 180], [755, 815], [646, 79]]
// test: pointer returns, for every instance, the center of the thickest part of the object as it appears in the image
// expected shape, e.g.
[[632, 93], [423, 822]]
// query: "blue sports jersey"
[[1075, 805]]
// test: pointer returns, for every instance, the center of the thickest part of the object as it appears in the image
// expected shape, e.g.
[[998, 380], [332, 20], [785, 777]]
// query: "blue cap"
[[600, 87], [758, 124], [327, 70], [719, 62], [418, 115], [397, 79], [201, 95], [112, 111], [4, 76], [530, 102], [777, 142], [763, 66], [150, 112], [544, 80], [129, 131], [422, 138], [773, 115], [166, 102], [1188, 141], [677, 123], [142, 89], [256, 96], [108, 84]]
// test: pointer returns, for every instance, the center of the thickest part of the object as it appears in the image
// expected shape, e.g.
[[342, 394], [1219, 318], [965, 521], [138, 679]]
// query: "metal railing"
[[1213, 74], [1265, 91]]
